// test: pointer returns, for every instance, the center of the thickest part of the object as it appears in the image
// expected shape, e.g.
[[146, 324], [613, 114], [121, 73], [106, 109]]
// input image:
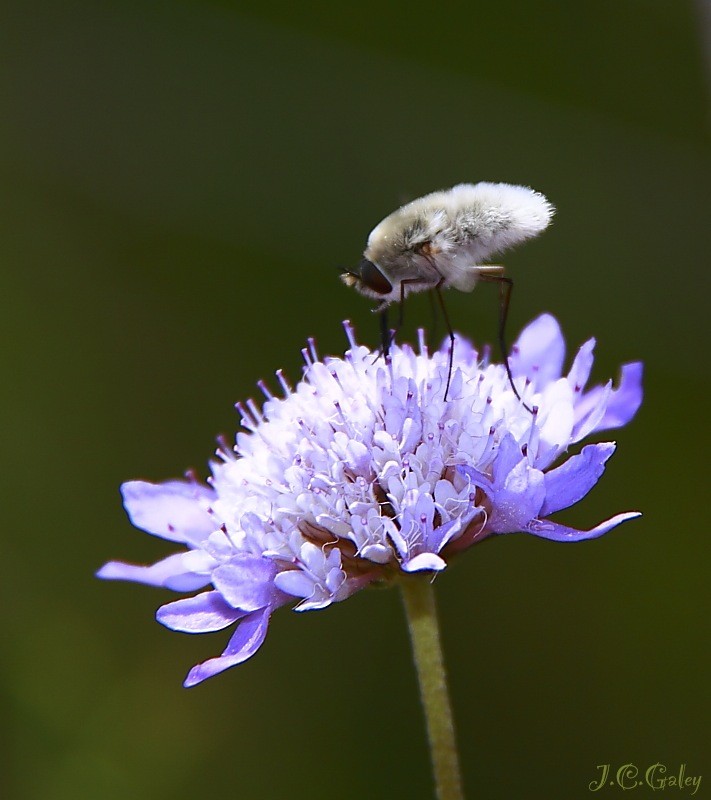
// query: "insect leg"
[[385, 337], [401, 311], [438, 291], [385, 333], [505, 289]]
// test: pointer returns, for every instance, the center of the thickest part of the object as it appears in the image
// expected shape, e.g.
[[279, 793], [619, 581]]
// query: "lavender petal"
[[507, 457], [245, 642], [620, 407], [572, 480], [582, 365], [203, 613], [545, 529], [626, 399], [539, 351], [519, 500], [246, 582], [171, 510], [183, 572]]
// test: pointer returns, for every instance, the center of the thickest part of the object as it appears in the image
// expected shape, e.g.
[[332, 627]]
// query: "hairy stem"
[[421, 612]]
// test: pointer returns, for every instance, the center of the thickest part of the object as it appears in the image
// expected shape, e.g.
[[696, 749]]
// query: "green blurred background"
[[179, 182]]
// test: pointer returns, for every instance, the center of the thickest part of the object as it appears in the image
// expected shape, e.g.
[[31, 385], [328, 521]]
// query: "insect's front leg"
[[406, 282], [386, 335]]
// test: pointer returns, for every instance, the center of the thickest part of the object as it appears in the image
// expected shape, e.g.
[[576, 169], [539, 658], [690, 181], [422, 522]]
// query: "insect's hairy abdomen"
[[446, 234]]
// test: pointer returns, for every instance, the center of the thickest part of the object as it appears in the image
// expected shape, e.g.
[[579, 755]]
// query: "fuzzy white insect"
[[441, 240]]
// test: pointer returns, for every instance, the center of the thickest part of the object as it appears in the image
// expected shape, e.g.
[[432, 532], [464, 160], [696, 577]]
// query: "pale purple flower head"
[[364, 471]]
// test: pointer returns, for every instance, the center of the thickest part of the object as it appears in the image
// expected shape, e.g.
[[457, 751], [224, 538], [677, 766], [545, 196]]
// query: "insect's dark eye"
[[373, 278]]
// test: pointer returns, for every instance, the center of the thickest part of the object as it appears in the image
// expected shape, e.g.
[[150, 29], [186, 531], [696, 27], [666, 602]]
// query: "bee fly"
[[440, 240]]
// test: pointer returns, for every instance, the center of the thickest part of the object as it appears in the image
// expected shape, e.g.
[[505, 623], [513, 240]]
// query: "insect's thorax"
[[422, 250]]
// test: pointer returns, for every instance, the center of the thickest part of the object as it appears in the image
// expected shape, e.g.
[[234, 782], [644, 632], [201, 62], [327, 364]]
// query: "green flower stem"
[[421, 612]]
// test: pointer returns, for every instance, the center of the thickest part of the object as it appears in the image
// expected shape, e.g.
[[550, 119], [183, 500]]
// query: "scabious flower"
[[364, 471]]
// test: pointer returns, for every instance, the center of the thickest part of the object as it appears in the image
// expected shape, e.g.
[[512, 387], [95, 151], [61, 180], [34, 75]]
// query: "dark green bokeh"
[[179, 183]]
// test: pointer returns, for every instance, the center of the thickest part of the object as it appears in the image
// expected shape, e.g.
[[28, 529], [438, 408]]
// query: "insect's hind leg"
[[506, 285]]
